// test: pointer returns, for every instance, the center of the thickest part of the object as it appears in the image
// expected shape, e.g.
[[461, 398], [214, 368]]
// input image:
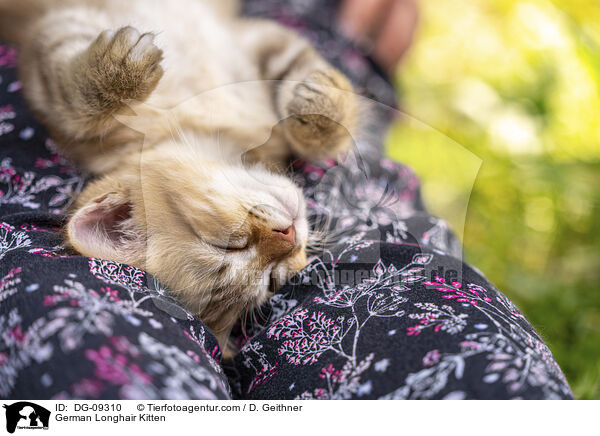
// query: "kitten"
[[220, 233]]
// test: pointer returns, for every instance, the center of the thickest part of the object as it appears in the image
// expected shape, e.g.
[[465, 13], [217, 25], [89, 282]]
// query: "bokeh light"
[[503, 98]]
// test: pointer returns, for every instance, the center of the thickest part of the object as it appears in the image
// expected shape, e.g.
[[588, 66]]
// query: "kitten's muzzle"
[[288, 234], [277, 244]]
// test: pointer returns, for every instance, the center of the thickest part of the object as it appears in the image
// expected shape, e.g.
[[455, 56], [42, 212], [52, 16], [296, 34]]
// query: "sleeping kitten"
[[220, 233]]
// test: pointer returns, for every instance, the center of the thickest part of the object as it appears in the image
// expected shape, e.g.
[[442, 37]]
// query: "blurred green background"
[[503, 98]]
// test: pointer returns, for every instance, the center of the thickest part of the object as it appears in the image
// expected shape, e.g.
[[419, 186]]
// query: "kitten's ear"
[[104, 227]]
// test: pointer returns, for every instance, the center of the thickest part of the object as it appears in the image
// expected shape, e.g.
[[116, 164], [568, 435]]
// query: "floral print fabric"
[[385, 309]]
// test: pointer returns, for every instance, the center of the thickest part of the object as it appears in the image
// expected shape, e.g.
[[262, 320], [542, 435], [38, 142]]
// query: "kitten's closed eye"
[[231, 246]]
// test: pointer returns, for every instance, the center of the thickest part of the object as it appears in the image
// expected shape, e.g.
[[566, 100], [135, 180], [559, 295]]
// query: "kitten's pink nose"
[[288, 234]]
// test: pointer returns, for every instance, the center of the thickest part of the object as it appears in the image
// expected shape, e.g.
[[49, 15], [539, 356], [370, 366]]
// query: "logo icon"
[[26, 415]]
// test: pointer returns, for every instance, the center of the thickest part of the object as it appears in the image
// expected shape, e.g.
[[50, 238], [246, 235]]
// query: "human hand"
[[384, 27]]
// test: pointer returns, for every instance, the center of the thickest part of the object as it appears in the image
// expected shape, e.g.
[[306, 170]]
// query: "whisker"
[[244, 320]]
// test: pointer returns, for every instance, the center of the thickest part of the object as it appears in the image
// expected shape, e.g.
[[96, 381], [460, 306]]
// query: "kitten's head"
[[220, 237]]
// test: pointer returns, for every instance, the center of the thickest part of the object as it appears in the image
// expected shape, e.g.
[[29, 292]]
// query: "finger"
[[396, 33], [359, 18]]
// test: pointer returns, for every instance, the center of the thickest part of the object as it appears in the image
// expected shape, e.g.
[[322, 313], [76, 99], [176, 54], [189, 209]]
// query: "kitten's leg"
[[316, 100], [76, 79]]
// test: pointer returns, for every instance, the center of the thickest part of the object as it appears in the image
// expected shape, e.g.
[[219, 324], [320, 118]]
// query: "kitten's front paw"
[[122, 65], [321, 115]]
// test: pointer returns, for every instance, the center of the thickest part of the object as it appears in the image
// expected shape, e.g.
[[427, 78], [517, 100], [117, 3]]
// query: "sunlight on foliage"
[[503, 98]]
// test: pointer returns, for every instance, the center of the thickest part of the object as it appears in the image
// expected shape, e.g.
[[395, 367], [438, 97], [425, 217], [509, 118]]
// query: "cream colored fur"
[[204, 87]]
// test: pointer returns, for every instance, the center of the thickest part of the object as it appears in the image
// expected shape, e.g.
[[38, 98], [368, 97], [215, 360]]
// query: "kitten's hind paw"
[[119, 66], [321, 115]]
